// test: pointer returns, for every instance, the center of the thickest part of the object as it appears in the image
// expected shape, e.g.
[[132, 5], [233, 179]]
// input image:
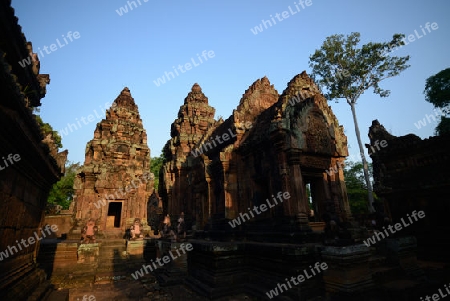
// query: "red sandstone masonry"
[[117, 157]]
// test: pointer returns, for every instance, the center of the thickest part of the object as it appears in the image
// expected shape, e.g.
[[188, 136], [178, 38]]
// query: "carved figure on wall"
[[136, 229], [167, 229], [89, 232]]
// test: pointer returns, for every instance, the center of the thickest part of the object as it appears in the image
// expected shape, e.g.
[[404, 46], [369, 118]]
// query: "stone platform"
[[218, 269], [70, 264], [240, 270]]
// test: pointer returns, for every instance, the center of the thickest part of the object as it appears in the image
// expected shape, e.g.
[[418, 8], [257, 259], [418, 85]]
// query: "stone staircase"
[[112, 259]]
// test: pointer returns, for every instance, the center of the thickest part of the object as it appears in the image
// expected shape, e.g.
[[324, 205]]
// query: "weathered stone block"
[[88, 253], [348, 269]]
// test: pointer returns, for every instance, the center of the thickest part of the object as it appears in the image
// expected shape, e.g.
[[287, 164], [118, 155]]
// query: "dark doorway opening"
[[316, 197], [115, 210]]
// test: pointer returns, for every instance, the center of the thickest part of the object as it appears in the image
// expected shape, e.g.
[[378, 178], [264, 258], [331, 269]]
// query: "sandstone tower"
[[195, 118], [114, 185]]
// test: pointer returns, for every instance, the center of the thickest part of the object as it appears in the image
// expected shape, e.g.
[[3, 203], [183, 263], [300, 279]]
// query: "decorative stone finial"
[[125, 100], [126, 91], [196, 88], [196, 95]]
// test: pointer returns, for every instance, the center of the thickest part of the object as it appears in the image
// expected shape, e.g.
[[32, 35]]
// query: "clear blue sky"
[[137, 48]]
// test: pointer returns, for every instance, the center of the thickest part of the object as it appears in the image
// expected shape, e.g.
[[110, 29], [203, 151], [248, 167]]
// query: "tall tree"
[[437, 92], [345, 71]]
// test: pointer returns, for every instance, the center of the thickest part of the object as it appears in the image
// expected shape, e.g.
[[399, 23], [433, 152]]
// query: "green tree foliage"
[[46, 129], [62, 191], [357, 187], [345, 71], [443, 127], [437, 92], [437, 88], [155, 166]]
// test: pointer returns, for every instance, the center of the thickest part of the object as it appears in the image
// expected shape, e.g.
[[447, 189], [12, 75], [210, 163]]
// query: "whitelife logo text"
[[281, 197], [319, 267], [166, 259], [53, 47], [11, 250], [379, 235]]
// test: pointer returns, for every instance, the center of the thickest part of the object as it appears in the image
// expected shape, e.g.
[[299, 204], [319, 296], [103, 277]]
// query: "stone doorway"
[[114, 215], [318, 196]]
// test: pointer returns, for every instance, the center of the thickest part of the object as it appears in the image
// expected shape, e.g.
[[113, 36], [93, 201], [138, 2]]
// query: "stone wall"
[[25, 178], [63, 221], [412, 174]]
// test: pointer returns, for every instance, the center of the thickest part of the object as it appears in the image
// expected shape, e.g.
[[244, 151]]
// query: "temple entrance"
[[114, 215], [316, 197]]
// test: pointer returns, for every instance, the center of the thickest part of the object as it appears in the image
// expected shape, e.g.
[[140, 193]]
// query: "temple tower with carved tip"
[[195, 119], [115, 183]]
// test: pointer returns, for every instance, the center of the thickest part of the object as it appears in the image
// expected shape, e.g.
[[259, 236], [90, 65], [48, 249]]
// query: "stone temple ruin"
[[273, 146], [411, 174], [232, 213], [114, 184], [24, 185]]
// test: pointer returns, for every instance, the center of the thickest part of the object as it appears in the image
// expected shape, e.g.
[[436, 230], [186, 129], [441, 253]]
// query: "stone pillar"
[[298, 191], [208, 206], [344, 206], [225, 171], [176, 195], [218, 204], [338, 195], [284, 172], [169, 201]]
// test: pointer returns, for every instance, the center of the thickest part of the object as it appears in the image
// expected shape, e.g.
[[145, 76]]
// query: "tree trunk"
[[364, 161]]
